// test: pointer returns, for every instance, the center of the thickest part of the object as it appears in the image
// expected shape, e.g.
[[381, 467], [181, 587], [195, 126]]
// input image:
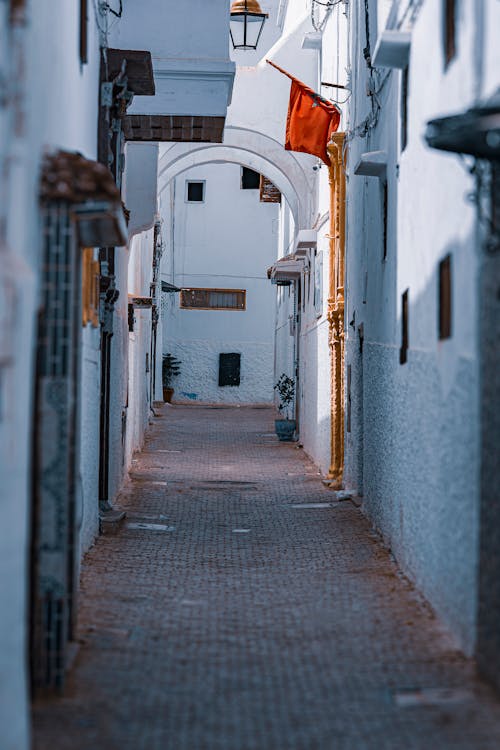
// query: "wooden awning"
[[180, 128], [137, 301], [138, 69]]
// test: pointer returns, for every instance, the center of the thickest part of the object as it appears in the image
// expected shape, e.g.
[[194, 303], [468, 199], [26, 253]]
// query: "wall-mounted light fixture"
[[475, 131], [246, 24]]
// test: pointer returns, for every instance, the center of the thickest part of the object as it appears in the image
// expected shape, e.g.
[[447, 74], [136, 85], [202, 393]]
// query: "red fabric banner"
[[310, 122]]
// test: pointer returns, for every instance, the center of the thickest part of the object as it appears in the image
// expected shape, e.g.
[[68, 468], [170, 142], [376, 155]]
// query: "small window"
[[213, 299], [495, 197], [385, 214], [445, 298], [90, 288], [250, 180], [195, 191], [449, 30], [403, 352], [349, 405], [229, 369], [83, 32], [405, 79]]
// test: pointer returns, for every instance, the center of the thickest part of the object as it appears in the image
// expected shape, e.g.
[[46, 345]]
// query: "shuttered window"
[[213, 299]]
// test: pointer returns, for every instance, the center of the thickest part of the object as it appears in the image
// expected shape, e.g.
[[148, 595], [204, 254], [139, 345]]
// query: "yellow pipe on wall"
[[336, 272]]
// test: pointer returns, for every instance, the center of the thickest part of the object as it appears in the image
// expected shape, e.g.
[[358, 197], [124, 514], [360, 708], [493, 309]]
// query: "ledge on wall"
[[312, 40], [392, 49], [372, 164], [307, 239]]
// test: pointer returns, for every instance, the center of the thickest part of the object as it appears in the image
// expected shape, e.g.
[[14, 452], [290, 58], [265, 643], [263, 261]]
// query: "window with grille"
[[213, 299]]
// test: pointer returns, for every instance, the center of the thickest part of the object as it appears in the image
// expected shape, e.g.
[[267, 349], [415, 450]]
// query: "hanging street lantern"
[[246, 24]]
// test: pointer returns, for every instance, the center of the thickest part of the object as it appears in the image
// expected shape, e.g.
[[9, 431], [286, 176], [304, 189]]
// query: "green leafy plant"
[[170, 369], [285, 388]]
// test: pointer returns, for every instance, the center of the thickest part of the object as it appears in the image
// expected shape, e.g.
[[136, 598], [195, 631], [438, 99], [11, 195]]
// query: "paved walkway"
[[225, 617]]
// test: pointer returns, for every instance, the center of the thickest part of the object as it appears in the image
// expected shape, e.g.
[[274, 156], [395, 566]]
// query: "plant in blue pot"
[[285, 387]]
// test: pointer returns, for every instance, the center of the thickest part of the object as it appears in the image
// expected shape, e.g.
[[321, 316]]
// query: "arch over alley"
[[250, 149]]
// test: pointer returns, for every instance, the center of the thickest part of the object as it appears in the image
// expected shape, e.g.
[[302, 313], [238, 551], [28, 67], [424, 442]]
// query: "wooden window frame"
[[90, 288], [209, 290], [445, 298]]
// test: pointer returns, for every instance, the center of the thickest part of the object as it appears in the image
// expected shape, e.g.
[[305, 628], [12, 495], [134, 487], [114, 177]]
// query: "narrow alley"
[[241, 606]]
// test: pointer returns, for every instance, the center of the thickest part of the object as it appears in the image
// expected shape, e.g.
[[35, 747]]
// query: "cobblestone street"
[[225, 615]]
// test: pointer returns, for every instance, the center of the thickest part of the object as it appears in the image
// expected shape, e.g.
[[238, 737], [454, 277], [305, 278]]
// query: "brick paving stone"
[[293, 636]]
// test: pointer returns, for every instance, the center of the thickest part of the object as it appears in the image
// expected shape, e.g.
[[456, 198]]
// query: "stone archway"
[[253, 150]]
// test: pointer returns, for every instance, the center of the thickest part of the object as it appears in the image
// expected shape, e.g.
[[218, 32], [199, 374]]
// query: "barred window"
[[213, 299]]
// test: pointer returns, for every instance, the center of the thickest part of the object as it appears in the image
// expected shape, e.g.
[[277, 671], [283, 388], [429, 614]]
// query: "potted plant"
[[170, 369], [286, 392]]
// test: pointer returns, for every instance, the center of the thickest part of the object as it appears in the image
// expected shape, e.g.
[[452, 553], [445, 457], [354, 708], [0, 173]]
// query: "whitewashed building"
[[76, 382], [221, 324], [413, 255]]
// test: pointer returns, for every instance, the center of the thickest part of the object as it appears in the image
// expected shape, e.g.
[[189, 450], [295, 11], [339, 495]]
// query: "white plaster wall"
[[311, 350], [413, 445], [139, 343], [119, 379], [285, 336], [169, 29], [314, 387], [53, 104], [89, 443], [226, 242], [140, 185]]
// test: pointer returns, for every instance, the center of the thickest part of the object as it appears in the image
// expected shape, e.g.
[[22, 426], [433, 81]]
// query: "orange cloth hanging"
[[311, 120]]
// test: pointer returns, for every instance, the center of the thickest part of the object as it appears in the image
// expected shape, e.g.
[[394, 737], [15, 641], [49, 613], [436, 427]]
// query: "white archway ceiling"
[[253, 150]]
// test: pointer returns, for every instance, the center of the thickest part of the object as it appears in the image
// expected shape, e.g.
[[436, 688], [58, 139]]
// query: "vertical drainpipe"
[[336, 306]]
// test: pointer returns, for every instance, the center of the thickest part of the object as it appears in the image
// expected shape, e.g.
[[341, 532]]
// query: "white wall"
[[139, 343], [89, 443], [413, 446], [226, 242], [52, 103], [311, 349]]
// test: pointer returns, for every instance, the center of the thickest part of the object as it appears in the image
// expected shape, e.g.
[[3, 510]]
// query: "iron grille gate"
[[55, 451]]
